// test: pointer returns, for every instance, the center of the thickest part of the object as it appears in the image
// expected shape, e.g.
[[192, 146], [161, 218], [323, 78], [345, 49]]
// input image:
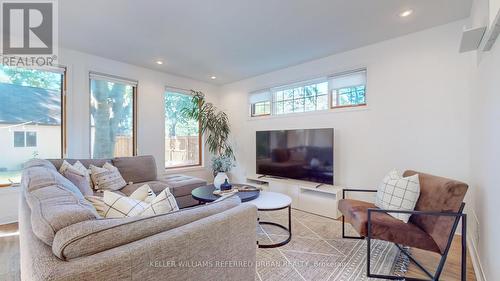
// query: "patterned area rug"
[[317, 251]]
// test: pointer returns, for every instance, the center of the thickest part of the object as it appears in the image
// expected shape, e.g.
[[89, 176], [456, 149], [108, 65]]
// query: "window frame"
[[347, 105], [304, 84], [115, 79], [329, 94], [200, 135], [263, 114], [61, 69]]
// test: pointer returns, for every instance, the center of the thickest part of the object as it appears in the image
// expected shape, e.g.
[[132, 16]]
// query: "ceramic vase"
[[219, 179]]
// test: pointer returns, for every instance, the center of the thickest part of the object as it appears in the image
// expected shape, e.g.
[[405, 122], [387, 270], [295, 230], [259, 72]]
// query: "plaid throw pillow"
[[119, 206], [398, 193], [114, 205], [162, 204]]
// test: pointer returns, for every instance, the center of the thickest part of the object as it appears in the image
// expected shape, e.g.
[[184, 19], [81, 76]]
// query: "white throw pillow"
[[119, 206], [398, 193], [162, 204], [84, 171], [144, 193], [67, 166], [114, 205], [107, 178]]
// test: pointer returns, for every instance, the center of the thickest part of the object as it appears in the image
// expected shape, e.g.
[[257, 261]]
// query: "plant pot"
[[219, 179]]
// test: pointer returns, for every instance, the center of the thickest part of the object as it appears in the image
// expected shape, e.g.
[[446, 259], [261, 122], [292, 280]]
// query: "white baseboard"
[[476, 262], [8, 220], [472, 238]]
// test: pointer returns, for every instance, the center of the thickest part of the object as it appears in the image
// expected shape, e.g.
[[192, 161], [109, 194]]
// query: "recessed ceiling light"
[[213, 77], [406, 13], [159, 62]]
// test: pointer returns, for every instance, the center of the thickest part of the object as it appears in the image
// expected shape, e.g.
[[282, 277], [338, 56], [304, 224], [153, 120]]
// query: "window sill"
[[312, 113], [13, 188], [185, 169]]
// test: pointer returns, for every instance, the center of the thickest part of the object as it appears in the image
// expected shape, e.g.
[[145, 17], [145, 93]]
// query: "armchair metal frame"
[[433, 277]]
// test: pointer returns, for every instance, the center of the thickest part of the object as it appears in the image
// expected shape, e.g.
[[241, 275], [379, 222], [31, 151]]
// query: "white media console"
[[306, 196]]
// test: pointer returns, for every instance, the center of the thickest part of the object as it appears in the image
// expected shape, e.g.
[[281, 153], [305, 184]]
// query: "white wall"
[[485, 151], [417, 117], [150, 103]]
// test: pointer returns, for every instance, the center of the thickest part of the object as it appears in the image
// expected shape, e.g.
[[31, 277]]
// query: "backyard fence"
[[178, 150]]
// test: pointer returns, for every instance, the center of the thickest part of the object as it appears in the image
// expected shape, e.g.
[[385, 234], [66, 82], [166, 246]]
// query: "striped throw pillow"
[[106, 178]]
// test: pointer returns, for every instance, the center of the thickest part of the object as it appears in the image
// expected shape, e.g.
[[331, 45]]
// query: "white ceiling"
[[236, 39]]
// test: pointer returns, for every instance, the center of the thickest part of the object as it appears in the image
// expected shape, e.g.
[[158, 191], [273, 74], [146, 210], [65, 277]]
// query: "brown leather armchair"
[[431, 227]]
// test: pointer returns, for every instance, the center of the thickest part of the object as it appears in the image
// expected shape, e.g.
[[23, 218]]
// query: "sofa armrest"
[[94, 236], [218, 247]]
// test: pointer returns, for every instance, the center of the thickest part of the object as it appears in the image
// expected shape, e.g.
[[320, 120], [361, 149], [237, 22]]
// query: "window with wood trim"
[[31, 117], [183, 142], [112, 116]]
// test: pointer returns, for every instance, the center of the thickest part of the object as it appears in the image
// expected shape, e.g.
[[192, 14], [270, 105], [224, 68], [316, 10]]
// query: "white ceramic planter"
[[219, 179]]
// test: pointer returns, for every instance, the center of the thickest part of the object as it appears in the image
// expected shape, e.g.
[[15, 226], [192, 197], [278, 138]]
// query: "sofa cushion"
[[384, 226], [437, 194], [156, 186], [91, 237], [38, 177], [182, 185], [39, 163], [55, 207], [136, 169]]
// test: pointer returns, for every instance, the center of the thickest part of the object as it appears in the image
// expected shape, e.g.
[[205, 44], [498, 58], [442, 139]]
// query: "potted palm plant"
[[214, 125]]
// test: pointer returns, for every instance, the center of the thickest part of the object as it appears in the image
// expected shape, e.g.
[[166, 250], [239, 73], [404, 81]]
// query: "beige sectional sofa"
[[63, 238]]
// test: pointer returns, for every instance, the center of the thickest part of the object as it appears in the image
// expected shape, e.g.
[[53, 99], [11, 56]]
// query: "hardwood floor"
[[451, 270], [9, 258], [9, 252]]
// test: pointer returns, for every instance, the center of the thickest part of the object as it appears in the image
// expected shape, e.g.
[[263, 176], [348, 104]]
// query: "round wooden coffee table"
[[205, 194]]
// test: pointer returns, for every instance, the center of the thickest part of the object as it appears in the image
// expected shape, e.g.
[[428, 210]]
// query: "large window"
[[112, 116], [342, 90], [182, 134], [31, 117]]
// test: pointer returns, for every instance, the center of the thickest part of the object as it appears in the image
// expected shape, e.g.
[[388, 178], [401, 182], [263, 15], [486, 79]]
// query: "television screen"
[[296, 154]]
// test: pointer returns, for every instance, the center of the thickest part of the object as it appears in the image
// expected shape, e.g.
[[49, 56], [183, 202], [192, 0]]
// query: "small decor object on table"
[[220, 166], [226, 186], [224, 192]]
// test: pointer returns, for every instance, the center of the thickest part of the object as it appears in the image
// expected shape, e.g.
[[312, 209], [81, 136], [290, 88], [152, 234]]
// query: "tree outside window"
[[182, 138]]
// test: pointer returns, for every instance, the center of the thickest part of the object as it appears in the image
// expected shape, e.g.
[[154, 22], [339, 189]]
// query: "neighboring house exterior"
[[30, 125]]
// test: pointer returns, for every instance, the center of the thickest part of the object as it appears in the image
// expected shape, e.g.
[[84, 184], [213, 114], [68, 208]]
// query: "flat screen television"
[[296, 154]]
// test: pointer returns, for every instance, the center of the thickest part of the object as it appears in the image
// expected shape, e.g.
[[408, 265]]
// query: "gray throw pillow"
[[79, 181]]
